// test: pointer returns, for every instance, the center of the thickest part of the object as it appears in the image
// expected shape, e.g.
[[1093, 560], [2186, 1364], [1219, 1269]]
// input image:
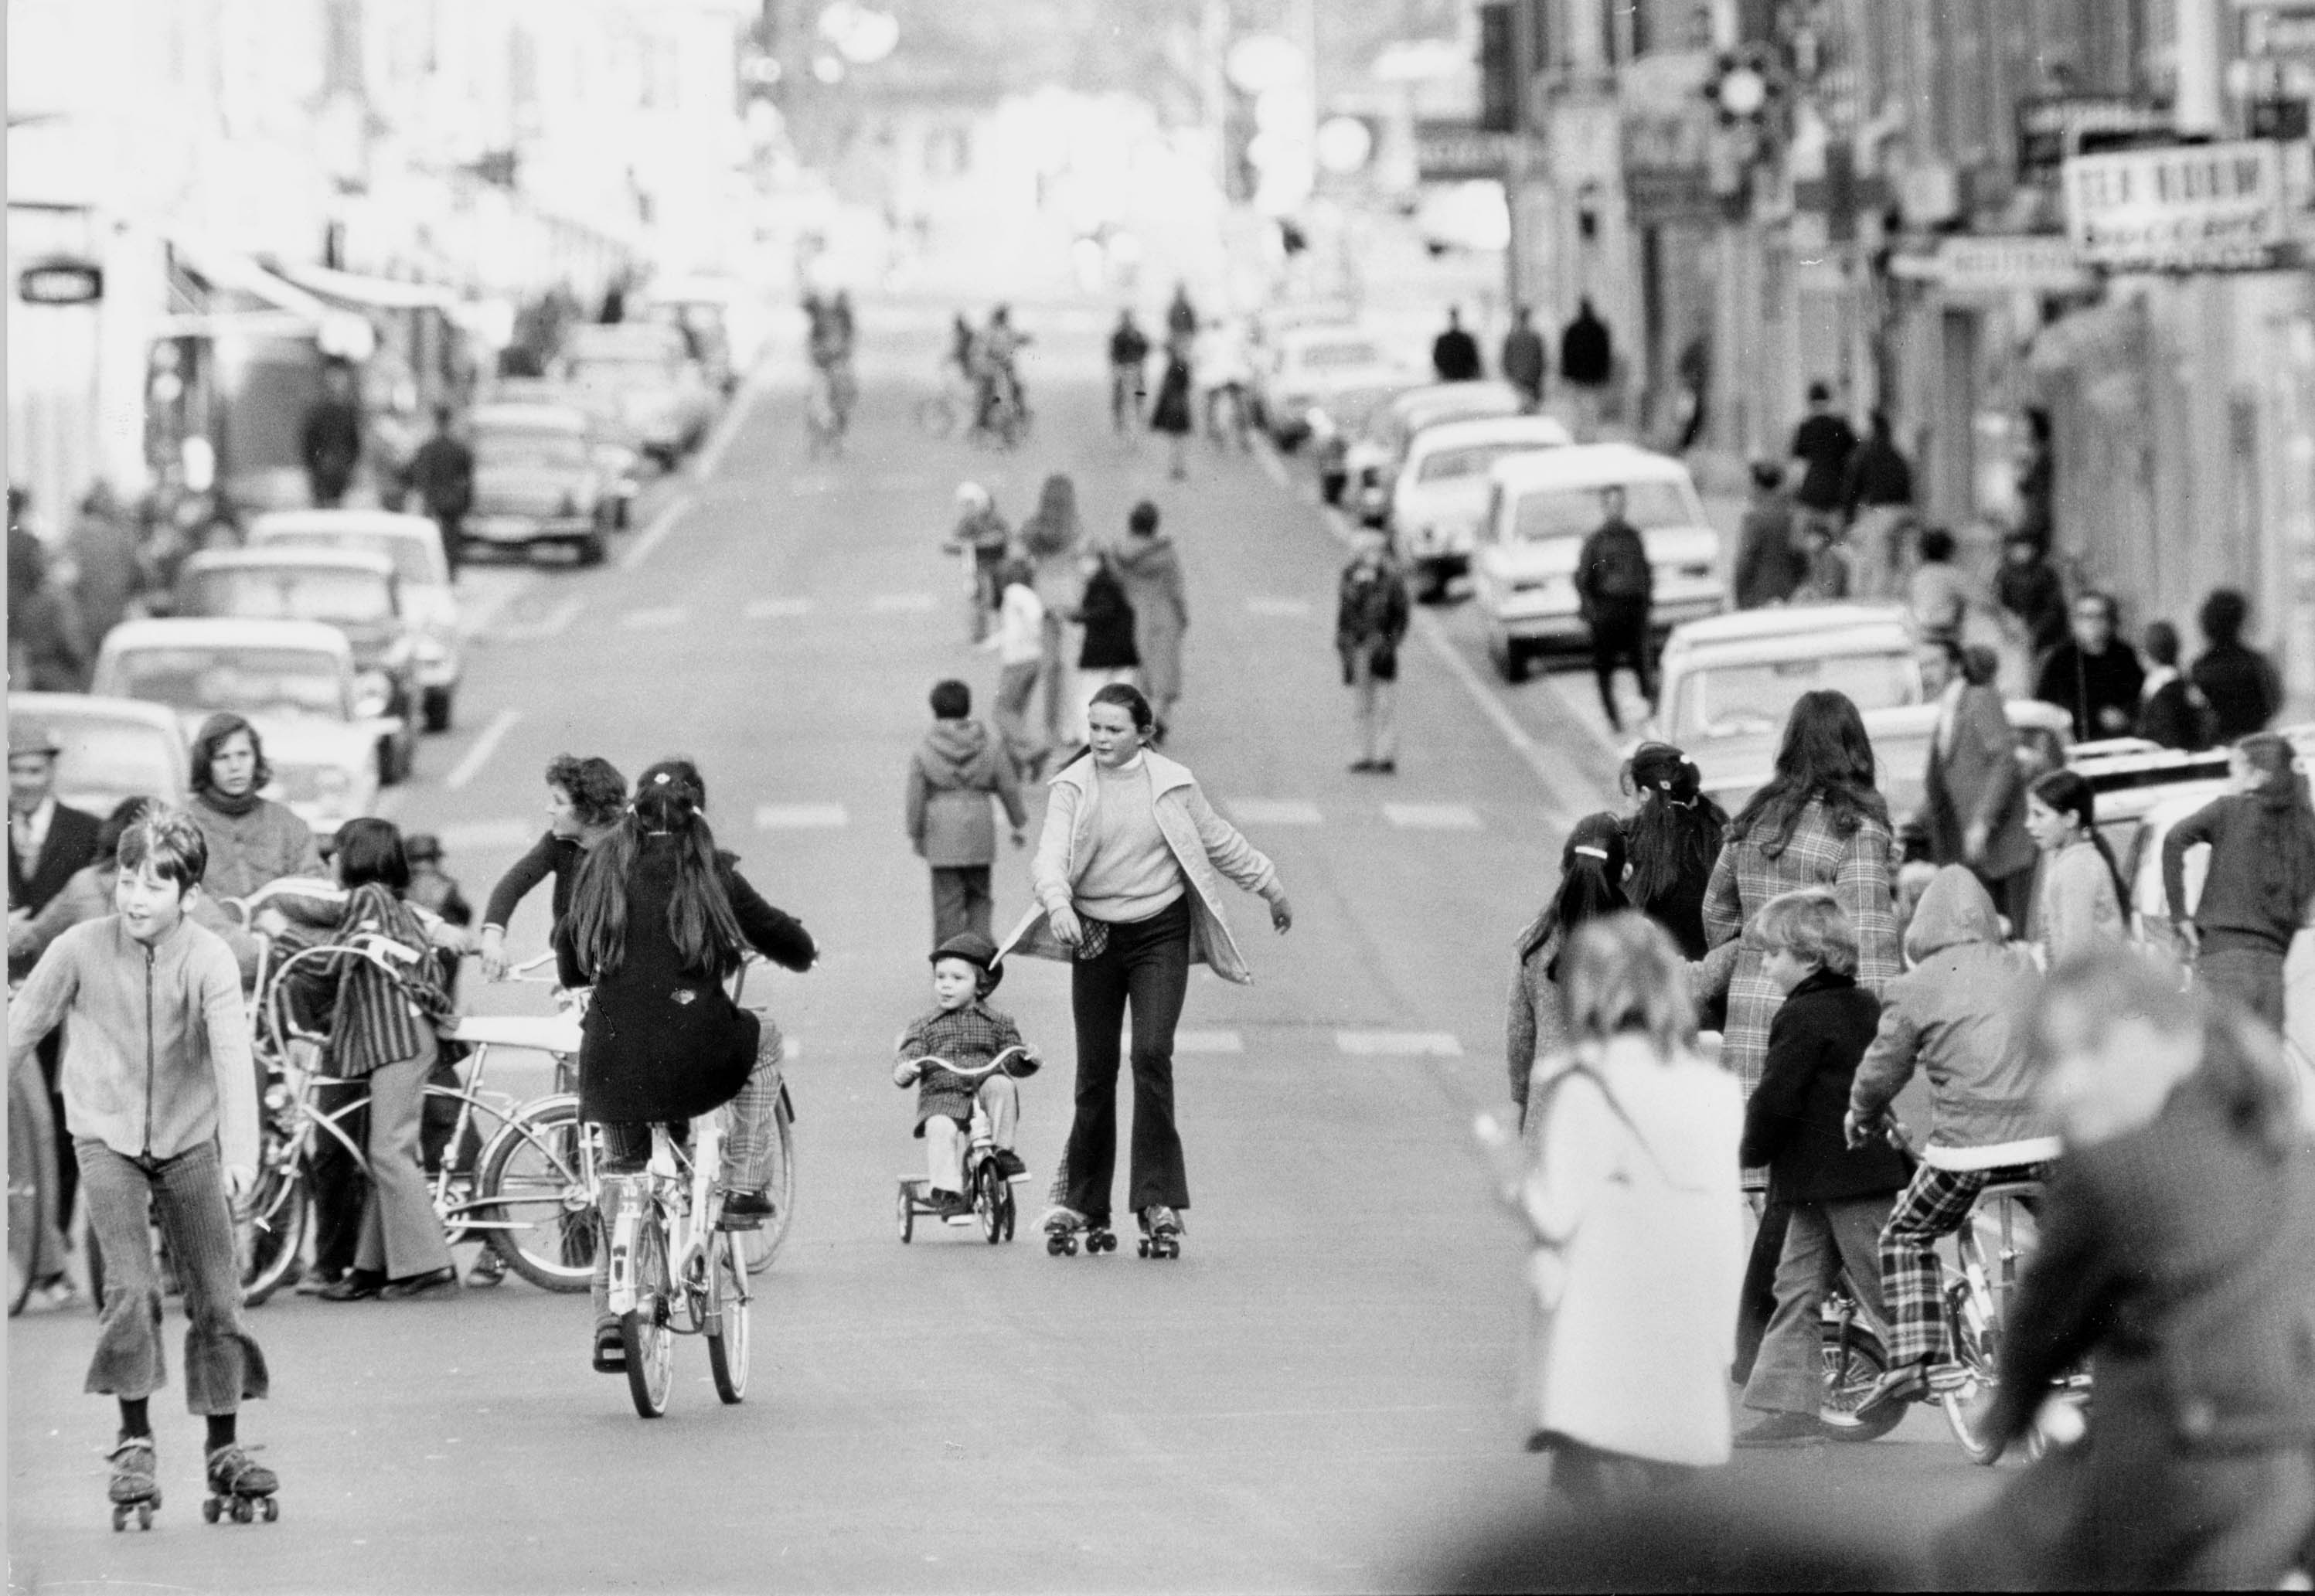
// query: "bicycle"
[[992, 1192]]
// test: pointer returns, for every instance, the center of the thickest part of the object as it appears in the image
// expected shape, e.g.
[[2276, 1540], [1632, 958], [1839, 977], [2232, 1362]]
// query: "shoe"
[[355, 1285], [315, 1281], [1782, 1429], [434, 1282], [53, 1295], [1908, 1382], [1158, 1219], [1008, 1163], [610, 1352], [1060, 1220], [952, 1208], [745, 1210], [489, 1270], [1385, 768]]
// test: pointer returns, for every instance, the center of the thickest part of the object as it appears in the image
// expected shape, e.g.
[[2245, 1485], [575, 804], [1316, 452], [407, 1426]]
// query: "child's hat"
[[974, 949]]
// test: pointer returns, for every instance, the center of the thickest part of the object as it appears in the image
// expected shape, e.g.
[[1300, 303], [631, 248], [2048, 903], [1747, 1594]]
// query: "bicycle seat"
[[548, 1034]]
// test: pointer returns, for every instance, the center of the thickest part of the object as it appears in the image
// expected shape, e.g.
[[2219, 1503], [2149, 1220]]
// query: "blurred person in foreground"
[[1634, 1203], [2259, 887], [2177, 1255]]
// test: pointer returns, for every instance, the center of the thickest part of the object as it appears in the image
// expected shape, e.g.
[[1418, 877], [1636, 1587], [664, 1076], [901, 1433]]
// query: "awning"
[[375, 293]]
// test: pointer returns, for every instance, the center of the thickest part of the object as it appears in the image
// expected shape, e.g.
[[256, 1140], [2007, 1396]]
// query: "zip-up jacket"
[[156, 1058]]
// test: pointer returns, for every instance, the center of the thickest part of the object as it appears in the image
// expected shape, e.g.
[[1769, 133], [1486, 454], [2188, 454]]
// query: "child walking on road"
[[952, 779], [160, 1096], [966, 1032]]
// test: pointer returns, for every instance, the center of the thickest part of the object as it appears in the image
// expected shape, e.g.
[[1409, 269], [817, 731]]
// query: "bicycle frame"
[[677, 1194]]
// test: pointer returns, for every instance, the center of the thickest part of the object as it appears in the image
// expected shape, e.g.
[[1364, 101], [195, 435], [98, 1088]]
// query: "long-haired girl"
[[1672, 840], [2081, 901], [1591, 885]]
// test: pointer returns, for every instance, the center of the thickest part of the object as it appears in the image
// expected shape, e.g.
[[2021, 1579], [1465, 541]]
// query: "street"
[[1316, 1396]]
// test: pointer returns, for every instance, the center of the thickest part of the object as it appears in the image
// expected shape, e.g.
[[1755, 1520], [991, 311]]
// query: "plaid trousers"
[[1936, 1204], [750, 1128]]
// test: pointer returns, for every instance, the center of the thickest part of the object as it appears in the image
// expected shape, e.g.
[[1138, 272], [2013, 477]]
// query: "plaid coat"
[[969, 1036], [1858, 868]]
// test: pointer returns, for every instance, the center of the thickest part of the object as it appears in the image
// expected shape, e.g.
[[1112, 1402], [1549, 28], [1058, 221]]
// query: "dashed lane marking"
[[650, 620], [551, 624], [902, 603], [1432, 817], [656, 533], [470, 765], [767, 609], [1295, 608], [1398, 1044], [1274, 811], [800, 817], [1208, 1042], [488, 834]]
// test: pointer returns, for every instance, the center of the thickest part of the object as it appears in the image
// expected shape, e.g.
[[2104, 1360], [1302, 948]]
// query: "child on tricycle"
[[962, 1059]]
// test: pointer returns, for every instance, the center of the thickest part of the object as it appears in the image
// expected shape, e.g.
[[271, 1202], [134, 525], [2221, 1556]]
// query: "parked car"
[[646, 373], [327, 739], [613, 447], [113, 749], [1540, 508], [1309, 365], [1374, 459], [536, 482], [413, 543], [355, 593], [1727, 684], [1440, 496]]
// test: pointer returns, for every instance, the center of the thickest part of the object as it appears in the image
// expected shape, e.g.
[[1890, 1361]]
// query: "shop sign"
[[2053, 128], [61, 281], [2188, 208], [1666, 139], [1459, 152], [2279, 30], [1976, 268]]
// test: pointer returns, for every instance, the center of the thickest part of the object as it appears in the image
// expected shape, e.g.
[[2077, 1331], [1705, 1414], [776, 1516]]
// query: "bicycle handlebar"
[[914, 1067]]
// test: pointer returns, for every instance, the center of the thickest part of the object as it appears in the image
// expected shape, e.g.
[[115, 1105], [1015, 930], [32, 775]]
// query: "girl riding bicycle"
[[658, 921], [968, 1033]]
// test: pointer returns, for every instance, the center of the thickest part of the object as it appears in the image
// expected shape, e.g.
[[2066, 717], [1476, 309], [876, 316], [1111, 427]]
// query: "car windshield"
[[291, 593], [1575, 512], [250, 680], [532, 451], [1334, 357], [115, 757], [653, 370], [1753, 699], [1451, 464], [413, 561]]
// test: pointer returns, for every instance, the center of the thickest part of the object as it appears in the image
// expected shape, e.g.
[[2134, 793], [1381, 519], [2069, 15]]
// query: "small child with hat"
[[963, 1029]]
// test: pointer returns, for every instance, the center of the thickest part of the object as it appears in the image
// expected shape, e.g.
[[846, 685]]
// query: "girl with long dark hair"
[[2260, 889], [1591, 885], [2081, 901], [1671, 841], [659, 920]]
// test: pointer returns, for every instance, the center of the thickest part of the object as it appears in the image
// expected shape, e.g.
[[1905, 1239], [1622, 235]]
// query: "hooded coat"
[[1151, 570], [1958, 1013], [952, 776]]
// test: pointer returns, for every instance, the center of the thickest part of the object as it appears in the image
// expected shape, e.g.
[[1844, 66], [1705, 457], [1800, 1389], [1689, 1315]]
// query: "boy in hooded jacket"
[[951, 778], [1957, 1013]]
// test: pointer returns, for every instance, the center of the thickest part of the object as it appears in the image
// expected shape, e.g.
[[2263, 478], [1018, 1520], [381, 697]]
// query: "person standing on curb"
[[1821, 443], [1151, 573], [1128, 874], [1615, 585], [1371, 614], [1524, 361], [951, 778], [1587, 365]]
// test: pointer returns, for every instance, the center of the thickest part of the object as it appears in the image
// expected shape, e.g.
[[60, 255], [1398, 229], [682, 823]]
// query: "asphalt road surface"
[[1316, 1396]]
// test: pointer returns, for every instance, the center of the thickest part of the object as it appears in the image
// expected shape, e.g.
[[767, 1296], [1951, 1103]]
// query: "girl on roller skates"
[[161, 1097], [1129, 875], [966, 1032]]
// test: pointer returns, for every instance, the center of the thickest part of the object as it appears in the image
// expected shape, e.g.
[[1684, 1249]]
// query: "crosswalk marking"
[[1295, 608], [643, 620], [800, 817], [1274, 811], [1208, 1042], [488, 834], [1432, 817], [1399, 1044], [901, 603], [766, 609]]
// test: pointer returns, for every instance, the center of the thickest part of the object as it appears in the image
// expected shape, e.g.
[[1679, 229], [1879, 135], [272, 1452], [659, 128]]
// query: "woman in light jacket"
[[1129, 883], [2081, 902], [1633, 1198]]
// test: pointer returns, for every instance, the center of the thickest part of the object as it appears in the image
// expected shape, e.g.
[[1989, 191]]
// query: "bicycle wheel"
[[534, 1200], [727, 1321], [990, 1202], [270, 1230], [31, 1177], [644, 1334], [761, 1247], [1853, 1361]]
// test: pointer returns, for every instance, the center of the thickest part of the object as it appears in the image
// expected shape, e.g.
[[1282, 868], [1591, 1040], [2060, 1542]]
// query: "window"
[[1752, 700], [250, 680], [530, 451], [1572, 512], [1336, 357], [291, 593], [1453, 464], [413, 561]]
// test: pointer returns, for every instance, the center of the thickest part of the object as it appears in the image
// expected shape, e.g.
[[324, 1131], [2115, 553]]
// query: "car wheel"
[[620, 514], [438, 708], [1331, 484], [1511, 658], [590, 548]]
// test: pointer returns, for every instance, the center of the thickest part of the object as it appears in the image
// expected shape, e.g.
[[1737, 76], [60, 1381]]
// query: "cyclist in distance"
[[660, 920], [831, 344], [997, 376]]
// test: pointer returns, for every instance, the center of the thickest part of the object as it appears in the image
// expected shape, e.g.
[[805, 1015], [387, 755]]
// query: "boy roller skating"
[[160, 1096], [967, 1032]]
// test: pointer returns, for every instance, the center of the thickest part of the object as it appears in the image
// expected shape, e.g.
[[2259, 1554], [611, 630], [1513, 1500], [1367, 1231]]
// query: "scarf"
[[233, 807]]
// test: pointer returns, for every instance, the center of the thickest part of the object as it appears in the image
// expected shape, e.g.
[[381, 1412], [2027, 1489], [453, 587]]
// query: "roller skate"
[[1065, 1229], [134, 1489], [1161, 1232], [239, 1487]]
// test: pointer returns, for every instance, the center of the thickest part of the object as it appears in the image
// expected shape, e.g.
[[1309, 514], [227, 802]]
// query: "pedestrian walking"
[[1050, 539], [1219, 359], [1128, 874], [2177, 1257], [954, 777], [2031, 595], [330, 441], [251, 840], [983, 538], [1108, 653], [1636, 1214], [1128, 354], [1674, 839], [2094, 675], [1524, 360], [1455, 353], [1973, 796], [1019, 644], [1150, 567], [584, 800], [1181, 315], [2240, 685], [1832, 1200], [2258, 889], [1876, 501], [1937, 595], [1614, 587], [1821, 443], [1592, 872], [1956, 1015], [442, 472], [1372, 614], [161, 1099], [2081, 904], [1770, 563], [1171, 413], [1587, 365], [2171, 710]]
